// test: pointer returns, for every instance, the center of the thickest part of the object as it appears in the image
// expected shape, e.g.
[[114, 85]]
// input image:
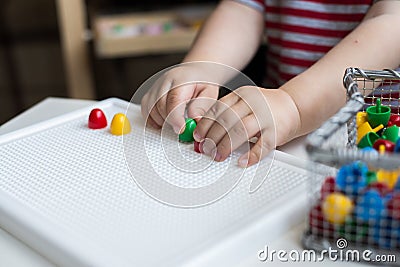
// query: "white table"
[[15, 253]]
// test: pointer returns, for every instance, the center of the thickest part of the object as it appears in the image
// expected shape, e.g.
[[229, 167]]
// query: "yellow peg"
[[366, 128], [120, 125], [388, 177], [382, 149], [361, 118]]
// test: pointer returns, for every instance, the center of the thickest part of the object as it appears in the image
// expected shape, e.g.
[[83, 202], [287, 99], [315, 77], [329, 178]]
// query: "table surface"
[[15, 253]]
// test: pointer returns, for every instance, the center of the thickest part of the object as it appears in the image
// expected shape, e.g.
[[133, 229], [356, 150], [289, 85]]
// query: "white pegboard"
[[67, 192]]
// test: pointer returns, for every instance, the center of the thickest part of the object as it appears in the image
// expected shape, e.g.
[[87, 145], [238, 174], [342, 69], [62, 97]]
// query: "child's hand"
[[269, 114], [175, 91]]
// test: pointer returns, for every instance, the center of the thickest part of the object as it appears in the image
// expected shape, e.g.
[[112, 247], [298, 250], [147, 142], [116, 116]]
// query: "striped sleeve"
[[256, 4], [300, 32]]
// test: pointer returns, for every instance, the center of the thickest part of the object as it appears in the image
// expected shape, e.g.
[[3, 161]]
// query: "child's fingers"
[[176, 101], [212, 114], [161, 98], [238, 135], [149, 105], [228, 119], [145, 113], [260, 149], [231, 116], [143, 106], [152, 123], [215, 135], [203, 101], [155, 116]]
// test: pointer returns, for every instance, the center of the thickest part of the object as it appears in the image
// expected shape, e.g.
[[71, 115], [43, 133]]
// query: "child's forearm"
[[230, 36], [318, 92]]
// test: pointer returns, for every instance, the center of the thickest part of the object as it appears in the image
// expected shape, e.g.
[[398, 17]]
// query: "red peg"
[[382, 188], [197, 146], [317, 223], [394, 120], [328, 186], [389, 146], [393, 206], [97, 119]]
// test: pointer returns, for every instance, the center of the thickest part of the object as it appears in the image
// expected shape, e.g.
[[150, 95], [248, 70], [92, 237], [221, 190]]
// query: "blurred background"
[[93, 49]]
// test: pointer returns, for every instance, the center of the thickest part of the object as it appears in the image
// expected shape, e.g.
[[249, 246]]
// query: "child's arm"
[[230, 36], [304, 102], [374, 44]]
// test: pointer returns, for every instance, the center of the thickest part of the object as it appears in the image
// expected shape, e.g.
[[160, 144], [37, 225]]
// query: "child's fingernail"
[[201, 147], [243, 162], [177, 129], [197, 136], [153, 125], [206, 149], [209, 147], [197, 118], [217, 157]]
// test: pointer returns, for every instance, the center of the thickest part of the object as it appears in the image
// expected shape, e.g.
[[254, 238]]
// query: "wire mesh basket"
[[354, 175]]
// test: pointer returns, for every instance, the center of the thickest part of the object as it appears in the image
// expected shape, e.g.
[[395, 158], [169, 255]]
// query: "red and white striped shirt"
[[301, 32]]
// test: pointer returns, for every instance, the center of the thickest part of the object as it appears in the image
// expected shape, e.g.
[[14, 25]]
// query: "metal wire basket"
[[355, 193]]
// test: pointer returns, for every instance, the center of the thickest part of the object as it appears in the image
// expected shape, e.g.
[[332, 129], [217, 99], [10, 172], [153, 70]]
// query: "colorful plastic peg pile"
[[363, 204], [379, 129], [119, 125], [357, 204]]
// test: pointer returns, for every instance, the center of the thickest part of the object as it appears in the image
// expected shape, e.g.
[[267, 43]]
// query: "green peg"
[[371, 177], [353, 231], [378, 106], [391, 133], [187, 135], [378, 114]]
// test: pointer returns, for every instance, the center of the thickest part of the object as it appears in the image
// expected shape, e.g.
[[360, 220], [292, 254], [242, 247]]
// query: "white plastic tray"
[[66, 191]]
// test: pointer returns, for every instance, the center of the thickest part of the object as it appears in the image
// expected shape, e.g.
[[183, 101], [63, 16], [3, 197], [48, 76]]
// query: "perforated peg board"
[[66, 191]]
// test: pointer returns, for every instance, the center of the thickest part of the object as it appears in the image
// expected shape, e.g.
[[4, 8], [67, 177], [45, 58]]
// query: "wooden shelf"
[[145, 33], [72, 15]]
